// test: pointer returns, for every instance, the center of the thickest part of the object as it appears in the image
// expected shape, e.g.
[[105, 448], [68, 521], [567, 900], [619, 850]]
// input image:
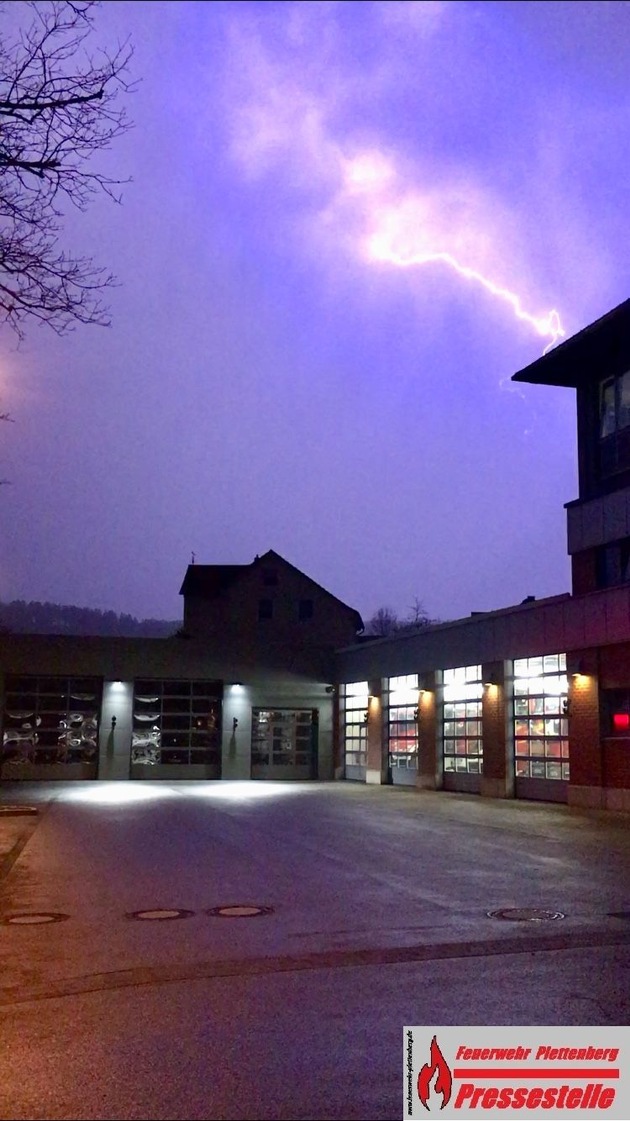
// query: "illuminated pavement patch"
[[33, 918], [18, 811], [239, 911], [160, 914], [525, 914]]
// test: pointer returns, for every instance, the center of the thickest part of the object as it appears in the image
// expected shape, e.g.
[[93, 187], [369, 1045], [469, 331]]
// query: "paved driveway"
[[374, 913]]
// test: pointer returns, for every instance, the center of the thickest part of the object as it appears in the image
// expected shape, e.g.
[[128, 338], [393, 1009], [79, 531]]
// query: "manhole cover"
[[160, 914], [33, 918], [525, 914], [239, 911], [17, 811]]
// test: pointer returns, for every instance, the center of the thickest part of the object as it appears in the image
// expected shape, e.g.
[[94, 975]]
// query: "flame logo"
[[443, 1082]]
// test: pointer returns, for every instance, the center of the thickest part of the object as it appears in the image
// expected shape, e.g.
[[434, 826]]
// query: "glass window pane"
[[356, 689], [623, 401], [607, 408]]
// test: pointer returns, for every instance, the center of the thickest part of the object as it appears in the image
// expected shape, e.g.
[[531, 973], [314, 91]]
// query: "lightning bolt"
[[548, 326]]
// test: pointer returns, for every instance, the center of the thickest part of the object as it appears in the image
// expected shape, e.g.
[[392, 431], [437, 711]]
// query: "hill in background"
[[20, 617]]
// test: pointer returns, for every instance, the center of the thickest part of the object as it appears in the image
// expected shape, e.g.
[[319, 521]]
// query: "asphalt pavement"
[[236, 950]]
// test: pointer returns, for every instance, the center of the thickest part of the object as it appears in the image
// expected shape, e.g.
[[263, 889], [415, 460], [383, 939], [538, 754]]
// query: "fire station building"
[[532, 701], [271, 678]]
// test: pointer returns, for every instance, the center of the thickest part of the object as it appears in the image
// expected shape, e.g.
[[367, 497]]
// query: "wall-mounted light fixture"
[[330, 689], [580, 670], [234, 723], [113, 723], [491, 679]]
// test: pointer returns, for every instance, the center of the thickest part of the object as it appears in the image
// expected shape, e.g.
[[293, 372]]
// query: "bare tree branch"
[[59, 107]]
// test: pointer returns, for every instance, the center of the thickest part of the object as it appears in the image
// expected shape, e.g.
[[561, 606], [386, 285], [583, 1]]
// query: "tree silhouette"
[[385, 622], [58, 107]]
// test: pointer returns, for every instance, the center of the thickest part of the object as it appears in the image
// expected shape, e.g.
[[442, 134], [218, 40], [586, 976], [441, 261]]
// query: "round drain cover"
[[33, 918], [525, 914], [160, 914], [239, 911]]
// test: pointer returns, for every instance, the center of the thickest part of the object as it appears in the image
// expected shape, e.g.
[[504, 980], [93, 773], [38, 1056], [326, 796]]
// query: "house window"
[[462, 738], [541, 729], [265, 609], [305, 610]]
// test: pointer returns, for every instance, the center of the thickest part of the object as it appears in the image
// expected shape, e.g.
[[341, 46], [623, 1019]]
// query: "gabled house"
[[267, 610]]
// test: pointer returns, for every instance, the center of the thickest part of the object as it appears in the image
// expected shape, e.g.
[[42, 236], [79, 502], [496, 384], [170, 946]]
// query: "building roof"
[[209, 580], [602, 348]]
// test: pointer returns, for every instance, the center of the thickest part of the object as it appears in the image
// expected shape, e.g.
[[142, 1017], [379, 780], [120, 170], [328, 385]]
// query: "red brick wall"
[[585, 751], [614, 666], [375, 738], [497, 766], [617, 763]]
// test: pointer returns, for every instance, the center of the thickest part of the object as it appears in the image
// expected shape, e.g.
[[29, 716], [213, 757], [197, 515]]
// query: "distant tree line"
[[32, 617]]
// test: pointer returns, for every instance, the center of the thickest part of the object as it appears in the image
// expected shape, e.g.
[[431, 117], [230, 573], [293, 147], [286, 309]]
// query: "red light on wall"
[[621, 721]]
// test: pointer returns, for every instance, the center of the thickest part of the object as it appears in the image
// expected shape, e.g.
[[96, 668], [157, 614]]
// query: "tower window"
[[614, 405]]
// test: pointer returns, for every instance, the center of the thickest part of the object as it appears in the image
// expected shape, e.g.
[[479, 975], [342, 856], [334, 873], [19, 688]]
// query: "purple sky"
[[279, 372]]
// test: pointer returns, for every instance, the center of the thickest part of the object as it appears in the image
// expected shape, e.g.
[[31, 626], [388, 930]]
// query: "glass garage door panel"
[[50, 727], [175, 724], [284, 743]]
